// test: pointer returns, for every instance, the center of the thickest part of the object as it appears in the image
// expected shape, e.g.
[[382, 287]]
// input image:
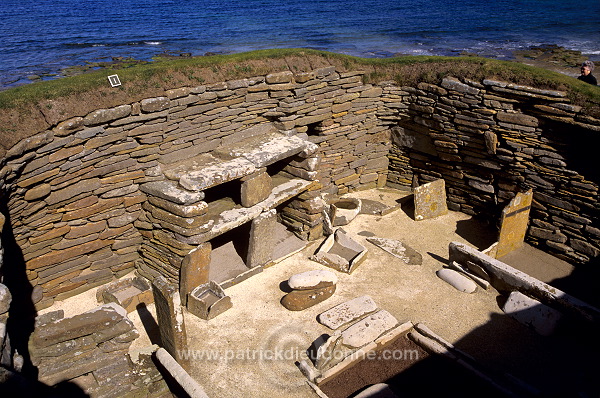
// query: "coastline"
[[549, 57]]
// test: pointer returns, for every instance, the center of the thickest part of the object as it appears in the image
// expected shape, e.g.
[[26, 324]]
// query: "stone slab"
[[513, 223], [368, 329], [340, 252], [398, 249], [262, 239], [347, 312], [265, 149], [169, 190], [208, 300], [312, 280], [532, 313], [170, 318], [255, 189], [194, 270], [430, 200]]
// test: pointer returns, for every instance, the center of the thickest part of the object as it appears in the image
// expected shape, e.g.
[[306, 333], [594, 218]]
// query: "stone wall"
[[81, 216], [90, 350], [491, 139], [73, 193]]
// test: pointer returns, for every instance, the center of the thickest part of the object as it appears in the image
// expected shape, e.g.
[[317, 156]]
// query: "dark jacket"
[[588, 79]]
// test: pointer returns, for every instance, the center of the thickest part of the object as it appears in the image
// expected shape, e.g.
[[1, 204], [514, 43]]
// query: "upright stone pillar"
[[513, 223], [260, 247], [170, 320], [194, 270]]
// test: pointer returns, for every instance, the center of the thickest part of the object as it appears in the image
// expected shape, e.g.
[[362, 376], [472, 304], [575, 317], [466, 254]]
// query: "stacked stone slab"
[[489, 140], [74, 197], [91, 351]]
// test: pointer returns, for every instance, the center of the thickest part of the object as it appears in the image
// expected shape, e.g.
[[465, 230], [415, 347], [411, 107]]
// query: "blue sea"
[[41, 37]]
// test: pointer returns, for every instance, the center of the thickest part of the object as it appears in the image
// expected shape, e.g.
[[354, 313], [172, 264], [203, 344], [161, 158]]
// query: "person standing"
[[586, 73]]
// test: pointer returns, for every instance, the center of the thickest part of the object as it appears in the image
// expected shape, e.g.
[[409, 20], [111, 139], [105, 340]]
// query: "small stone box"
[[128, 293], [340, 252], [208, 300]]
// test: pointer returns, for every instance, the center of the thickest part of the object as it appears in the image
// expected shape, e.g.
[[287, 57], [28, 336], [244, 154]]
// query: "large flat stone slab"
[[347, 312], [398, 249], [532, 313], [430, 200], [265, 149], [206, 170], [368, 329]]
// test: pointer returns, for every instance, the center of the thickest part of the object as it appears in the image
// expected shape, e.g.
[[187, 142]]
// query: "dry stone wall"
[[491, 139], [74, 194], [91, 351], [85, 202]]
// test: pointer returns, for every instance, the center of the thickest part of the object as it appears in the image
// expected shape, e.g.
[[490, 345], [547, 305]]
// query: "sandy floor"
[[250, 349]]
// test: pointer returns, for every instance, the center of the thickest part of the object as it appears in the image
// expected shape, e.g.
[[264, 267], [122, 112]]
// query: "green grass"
[[172, 73]]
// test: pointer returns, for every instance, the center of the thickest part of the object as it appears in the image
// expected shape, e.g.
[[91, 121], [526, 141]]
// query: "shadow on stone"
[[22, 312], [477, 232], [150, 325]]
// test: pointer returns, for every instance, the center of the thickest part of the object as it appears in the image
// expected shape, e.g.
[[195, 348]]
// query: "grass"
[[171, 73]]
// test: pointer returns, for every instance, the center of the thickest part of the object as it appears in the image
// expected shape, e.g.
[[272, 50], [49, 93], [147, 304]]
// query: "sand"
[[250, 349]]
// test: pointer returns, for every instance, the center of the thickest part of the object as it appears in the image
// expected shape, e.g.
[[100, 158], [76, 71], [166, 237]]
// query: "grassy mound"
[[31, 108]]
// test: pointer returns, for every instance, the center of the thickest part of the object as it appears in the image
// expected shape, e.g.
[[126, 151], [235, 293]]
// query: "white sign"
[[114, 80]]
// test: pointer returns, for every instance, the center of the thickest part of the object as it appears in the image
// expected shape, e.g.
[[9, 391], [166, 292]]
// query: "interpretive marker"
[[114, 80]]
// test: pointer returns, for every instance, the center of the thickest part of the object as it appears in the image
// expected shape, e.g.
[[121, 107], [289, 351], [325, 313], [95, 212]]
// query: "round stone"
[[5, 299], [456, 280], [312, 280], [298, 300]]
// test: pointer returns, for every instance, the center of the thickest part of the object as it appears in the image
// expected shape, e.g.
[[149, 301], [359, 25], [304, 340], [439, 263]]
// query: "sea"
[[39, 38]]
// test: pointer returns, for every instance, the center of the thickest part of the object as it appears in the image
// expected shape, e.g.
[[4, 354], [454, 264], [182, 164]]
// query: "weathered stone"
[[54, 257], [171, 322], [101, 116], [398, 249], [368, 329], [344, 210], [262, 239], [169, 190], [187, 211], [430, 200], [73, 190], [208, 300], [128, 293], [456, 280], [532, 313], [5, 299], [279, 77], [89, 322], [513, 223], [454, 84], [379, 390], [255, 189], [299, 300], [37, 192], [194, 270], [315, 279], [86, 229], [517, 118], [347, 312], [340, 252], [155, 104]]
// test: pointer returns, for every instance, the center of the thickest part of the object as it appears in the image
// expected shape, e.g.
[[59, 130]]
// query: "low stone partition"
[[91, 351]]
